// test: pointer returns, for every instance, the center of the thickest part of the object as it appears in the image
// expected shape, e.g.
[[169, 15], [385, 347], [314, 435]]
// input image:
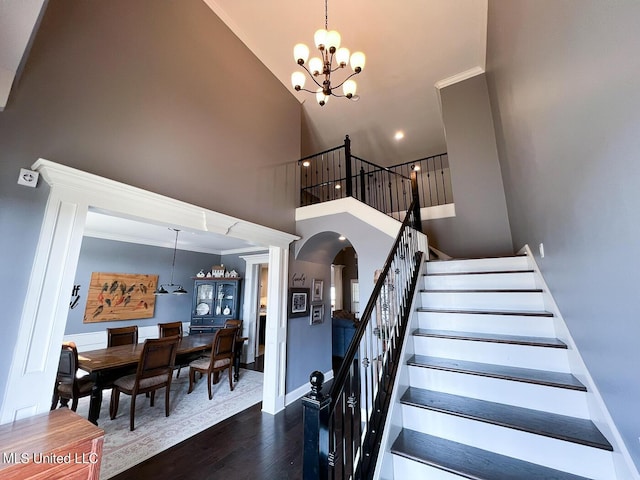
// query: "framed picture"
[[317, 286], [298, 302], [317, 314], [120, 296]]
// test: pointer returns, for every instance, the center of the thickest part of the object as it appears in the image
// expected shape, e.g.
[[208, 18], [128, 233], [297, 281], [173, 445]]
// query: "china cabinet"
[[214, 301]]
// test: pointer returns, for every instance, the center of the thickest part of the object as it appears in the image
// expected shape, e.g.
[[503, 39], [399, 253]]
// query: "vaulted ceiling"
[[411, 46]]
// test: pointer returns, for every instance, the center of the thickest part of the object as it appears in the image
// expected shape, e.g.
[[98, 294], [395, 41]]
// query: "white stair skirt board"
[[513, 301], [519, 280], [563, 401], [566, 456], [524, 356], [498, 264], [482, 323]]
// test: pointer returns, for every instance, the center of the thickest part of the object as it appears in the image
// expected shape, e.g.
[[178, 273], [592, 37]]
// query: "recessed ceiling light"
[[399, 135], [306, 163], [338, 186]]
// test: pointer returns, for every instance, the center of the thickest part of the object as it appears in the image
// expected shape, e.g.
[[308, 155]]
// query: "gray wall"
[[97, 255], [313, 255], [158, 94], [563, 78], [481, 224]]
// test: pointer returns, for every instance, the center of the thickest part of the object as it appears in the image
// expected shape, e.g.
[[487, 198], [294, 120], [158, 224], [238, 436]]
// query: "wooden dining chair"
[[155, 371], [122, 336], [222, 350], [68, 386], [171, 329]]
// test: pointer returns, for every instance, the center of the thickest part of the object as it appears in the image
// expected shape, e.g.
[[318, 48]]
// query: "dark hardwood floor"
[[250, 445]]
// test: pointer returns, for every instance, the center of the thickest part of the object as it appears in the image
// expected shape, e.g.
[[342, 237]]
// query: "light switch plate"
[[28, 178]]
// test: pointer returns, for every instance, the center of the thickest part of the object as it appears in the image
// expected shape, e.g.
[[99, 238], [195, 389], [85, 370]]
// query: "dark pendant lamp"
[[175, 289]]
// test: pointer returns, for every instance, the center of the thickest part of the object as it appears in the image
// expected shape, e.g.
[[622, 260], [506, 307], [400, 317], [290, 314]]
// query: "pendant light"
[[175, 289]]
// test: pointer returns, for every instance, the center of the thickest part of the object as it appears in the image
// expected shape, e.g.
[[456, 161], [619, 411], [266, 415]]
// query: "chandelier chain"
[[326, 15]]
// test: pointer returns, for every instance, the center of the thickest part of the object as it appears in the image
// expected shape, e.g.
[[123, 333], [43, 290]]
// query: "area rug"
[[189, 414]]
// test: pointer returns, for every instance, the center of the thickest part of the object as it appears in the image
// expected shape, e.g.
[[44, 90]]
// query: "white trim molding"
[[72, 193], [459, 77]]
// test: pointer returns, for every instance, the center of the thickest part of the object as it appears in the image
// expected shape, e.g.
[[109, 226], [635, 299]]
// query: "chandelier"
[[175, 288], [321, 68]]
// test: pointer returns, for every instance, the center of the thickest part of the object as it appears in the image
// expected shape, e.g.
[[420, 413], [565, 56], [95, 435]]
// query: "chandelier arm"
[[342, 83], [312, 78]]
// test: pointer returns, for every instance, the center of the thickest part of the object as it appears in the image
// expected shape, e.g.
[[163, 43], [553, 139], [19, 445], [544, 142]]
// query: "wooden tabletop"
[[124, 355], [44, 434]]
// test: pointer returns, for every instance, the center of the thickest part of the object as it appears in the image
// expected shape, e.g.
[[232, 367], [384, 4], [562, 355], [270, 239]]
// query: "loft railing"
[[433, 178], [336, 173], [343, 430]]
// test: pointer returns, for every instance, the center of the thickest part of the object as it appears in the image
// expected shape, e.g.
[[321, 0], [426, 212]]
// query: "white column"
[[275, 355], [44, 316]]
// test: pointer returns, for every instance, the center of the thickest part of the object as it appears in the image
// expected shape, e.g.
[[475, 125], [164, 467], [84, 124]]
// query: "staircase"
[[487, 391]]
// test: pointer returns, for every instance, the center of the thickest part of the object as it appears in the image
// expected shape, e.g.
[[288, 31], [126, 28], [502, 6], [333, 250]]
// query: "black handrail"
[[343, 430], [336, 173]]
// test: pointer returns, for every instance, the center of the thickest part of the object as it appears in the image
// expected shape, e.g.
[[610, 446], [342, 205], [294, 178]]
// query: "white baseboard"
[[597, 408]]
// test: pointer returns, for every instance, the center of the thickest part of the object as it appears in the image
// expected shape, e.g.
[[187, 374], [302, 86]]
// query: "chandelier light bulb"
[[321, 98], [315, 66], [320, 38], [349, 88], [357, 62], [297, 80], [301, 53], [333, 41], [342, 56]]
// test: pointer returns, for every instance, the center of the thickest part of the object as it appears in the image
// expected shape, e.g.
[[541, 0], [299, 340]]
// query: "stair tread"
[[491, 272], [487, 312], [553, 425], [481, 290], [518, 374], [470, 462], [452, 259], [491, 337]]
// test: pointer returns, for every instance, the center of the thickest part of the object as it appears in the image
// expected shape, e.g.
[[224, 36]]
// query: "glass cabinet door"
[[225, 299], [204, 299]]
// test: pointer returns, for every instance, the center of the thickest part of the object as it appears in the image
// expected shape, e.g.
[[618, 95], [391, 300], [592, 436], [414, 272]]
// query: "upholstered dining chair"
[[122, 336], [171, 329], [222, 350], [68, 386], [155, 371]]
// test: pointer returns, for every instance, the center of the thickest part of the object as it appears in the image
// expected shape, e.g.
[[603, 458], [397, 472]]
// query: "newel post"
[[416, 201], [347, 161], [315, 409]]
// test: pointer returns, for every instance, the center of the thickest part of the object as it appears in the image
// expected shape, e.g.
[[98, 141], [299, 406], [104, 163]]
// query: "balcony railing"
[[336, 173]]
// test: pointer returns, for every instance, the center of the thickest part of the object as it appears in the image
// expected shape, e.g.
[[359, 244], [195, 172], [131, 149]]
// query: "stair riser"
[[514, 301], [521, 394], [480, 281], [540, 358], [561, 455], [404, 468], [479, 265], [482, 323]]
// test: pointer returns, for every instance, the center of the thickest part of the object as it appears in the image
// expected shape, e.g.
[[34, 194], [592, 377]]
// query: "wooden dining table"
[[107, 364]]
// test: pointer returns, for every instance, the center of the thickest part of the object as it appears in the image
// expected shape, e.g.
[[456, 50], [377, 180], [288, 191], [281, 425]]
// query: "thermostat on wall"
[[28, 178]]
